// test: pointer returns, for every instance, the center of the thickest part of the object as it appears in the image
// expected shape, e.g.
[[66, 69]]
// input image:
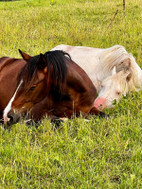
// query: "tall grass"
[[101, 153]]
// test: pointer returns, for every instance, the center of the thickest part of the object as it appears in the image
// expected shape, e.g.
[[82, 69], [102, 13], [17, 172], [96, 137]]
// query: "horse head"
[[40, 76], [31, 85], [112, 88]]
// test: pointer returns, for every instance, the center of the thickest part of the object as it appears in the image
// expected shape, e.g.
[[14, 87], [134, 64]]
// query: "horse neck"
[[79, 81]]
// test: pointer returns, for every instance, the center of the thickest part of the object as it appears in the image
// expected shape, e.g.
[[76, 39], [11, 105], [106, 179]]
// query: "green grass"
[[101, 153]]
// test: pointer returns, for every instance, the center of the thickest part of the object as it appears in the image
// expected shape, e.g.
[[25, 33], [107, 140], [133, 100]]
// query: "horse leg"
[[40, 111]]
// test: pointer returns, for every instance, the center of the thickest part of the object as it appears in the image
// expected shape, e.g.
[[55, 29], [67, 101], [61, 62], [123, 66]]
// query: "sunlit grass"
[[101, 153]]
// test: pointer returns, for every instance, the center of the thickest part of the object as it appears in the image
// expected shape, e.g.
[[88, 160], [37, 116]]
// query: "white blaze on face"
[[8, 107]]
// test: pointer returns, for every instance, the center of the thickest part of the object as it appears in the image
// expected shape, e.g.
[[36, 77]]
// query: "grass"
[[101, 153]]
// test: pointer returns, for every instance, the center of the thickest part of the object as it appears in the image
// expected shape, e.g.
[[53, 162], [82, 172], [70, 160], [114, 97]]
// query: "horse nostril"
[[10, 117]]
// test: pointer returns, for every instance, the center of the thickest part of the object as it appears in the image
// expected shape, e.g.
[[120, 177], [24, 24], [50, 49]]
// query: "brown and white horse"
[[52, 84], [113, 71]]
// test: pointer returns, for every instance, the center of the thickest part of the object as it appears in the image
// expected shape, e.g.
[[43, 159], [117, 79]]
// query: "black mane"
[[55, 61]]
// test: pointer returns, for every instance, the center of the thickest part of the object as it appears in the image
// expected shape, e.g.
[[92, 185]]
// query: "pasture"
[[99, 153]]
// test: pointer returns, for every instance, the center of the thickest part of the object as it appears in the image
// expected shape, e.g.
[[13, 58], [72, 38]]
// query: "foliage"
[[99, 153]]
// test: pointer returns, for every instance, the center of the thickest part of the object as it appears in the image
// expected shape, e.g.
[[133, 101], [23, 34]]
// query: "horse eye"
[[32, 88]]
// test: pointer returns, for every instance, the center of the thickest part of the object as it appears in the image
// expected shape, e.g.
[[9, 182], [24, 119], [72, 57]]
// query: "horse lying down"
[[113, 71], [52, 84]]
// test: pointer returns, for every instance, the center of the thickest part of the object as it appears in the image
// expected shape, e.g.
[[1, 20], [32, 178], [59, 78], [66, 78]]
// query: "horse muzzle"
[[100, 103], [11, 118]]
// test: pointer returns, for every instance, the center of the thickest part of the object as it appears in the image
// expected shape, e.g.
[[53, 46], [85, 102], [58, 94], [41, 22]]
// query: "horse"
[[9, 70], [113, 71], [52, 84]]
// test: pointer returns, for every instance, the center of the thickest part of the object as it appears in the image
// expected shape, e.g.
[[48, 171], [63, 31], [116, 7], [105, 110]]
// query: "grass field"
[[101, 153]]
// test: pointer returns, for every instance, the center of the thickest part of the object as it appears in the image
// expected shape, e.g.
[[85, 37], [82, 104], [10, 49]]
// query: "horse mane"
[[111, 57], [135, 82], [115, 56], [56, 68], [56, 61]]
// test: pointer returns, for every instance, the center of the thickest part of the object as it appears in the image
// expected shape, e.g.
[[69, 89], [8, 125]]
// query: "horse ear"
[[24, 55], [127, 74], [42, 67], [124, 65], [42, 63], [127, 68], [113, 72]]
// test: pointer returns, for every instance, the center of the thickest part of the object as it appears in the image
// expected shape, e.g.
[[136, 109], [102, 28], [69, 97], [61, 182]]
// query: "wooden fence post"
[[123, 5]]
